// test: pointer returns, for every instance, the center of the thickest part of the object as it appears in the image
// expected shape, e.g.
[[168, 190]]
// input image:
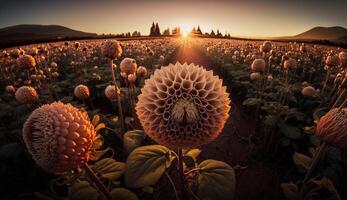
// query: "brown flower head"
[[332, 128], [26, 95], [110, 92], [128, 66], [254, 76], [290, 64], [59, 137], [26, 62], [141, 72], [82, 92], [266, 47], [308, 91], [332, 61], [343, 58], [112, 49], [183, 106], [10, 89], [131, 78], [258, 65]]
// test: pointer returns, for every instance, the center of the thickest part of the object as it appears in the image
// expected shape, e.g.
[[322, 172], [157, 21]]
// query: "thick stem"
[[119, 104], [96, 181], [181, 175]]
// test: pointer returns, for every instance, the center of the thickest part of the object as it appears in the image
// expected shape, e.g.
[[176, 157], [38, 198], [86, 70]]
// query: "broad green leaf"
[[96, 120], [290, 190], [123, 194], [133, 139], [194, 153], [145, 165], [289, 131], [216, 180], [302, 160], [109, 168], [100, 126], [82, 191]]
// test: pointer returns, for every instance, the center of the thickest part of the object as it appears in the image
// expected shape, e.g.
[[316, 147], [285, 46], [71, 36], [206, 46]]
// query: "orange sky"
[[239, 18]]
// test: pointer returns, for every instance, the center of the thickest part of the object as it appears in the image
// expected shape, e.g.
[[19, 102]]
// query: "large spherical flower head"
[[59, 137], [82, 92], [266, 47], [112, 49], [343, 58], [332, 128], [26, 95], [258, 65], [27, 62], [332, 61], [128, 66], [290, 64], [183, 106]]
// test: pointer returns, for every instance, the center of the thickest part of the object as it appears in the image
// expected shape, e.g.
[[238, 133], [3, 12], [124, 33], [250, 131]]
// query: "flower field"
[[173, 118]]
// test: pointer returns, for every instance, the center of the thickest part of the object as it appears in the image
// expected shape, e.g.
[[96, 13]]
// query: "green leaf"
[[109, 168], [302, 160], [123, 194], [216, 180], [145, 165], [289, 131], [82, 191], [194, 153], [133, 139], [98, 142], [290, 190], [96, 154], [96, 120]]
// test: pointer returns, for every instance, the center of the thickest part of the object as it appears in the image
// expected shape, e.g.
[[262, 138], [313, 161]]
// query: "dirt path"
[[255, 179]]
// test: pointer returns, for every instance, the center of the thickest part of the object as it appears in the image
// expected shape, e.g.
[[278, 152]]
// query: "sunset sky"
[[240, 18]]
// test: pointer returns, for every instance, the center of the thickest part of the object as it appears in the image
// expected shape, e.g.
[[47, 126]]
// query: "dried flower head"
[[266, 47], [343, 58], [82, 92], [112, 49], [183, 106], [254, 76], [332, 61], [258, 65], [26, 95], [26, 62], [110, 92], [131, 78], [290, 64], [10, 89], [59, 137], [141, 72], [128, 66], [308, 91], [332, 128]]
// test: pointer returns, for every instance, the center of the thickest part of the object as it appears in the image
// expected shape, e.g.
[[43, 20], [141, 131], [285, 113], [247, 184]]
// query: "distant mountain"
[[335, 33], [25, 34]]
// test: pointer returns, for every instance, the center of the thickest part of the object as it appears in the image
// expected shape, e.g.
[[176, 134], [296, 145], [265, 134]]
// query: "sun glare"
[[185, 34]]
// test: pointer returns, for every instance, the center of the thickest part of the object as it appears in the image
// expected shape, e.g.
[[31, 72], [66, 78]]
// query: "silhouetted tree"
[[198, 31], [166, 31], [157, 30], [219, 34], [152, 32], [212, 34]]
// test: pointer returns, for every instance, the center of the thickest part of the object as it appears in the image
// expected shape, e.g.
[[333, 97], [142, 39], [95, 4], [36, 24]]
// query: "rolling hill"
[[26, 34], [335, 33]]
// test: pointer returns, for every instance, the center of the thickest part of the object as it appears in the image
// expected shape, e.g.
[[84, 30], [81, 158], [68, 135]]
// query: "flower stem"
[[181, 174], [95, 180], [119, 104], [173, 184]]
